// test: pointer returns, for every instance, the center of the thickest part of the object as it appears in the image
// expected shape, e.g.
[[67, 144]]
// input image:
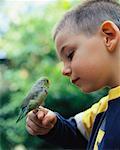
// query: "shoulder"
[[85, 120]]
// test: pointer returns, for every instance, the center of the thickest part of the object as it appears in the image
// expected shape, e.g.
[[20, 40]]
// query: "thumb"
[[50, 119], [41, 112]]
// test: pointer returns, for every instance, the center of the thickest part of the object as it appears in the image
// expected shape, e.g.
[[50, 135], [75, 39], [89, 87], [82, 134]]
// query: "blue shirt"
[[96, 128]]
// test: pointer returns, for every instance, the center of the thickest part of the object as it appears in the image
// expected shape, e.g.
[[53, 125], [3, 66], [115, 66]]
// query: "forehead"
[[63, 39]]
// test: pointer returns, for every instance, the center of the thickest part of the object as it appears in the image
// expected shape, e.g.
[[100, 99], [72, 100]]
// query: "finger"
[[52, 118], [41, 112], [31, 124], [45, 110], [33, 130], [30, 130], [33, 117], [49, 120], [40, 115]]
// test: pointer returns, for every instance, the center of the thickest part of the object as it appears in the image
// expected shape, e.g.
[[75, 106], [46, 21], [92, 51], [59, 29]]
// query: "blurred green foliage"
[[31, 54]]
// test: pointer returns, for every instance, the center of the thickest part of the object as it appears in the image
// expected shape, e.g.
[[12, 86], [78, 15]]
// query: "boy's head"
[[89, 16], [88, 43]]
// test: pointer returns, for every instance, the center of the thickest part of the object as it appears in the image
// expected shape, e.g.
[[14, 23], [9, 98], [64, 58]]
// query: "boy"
[[88, 43]]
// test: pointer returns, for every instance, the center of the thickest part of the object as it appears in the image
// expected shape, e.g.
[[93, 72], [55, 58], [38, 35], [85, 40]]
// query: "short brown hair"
[[87, 17]]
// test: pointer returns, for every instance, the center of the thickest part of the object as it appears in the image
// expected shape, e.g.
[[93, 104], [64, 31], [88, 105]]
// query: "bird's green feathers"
[[35, 97], [22, 114]]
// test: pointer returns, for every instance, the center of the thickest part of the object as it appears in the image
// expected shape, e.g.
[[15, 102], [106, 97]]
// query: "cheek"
[[85, 68], [81, 63], [89, 61]]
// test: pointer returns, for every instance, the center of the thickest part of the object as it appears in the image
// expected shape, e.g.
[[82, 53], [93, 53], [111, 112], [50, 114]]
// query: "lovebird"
[[35, 97]]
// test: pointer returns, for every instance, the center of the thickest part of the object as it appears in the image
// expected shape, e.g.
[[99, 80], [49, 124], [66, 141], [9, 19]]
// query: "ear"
[[111, 34]]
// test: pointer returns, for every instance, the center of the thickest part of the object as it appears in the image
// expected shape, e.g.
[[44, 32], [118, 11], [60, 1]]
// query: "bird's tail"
[[22, 114]]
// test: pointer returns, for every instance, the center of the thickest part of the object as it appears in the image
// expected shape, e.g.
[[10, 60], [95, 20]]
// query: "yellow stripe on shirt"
[[90, 114]]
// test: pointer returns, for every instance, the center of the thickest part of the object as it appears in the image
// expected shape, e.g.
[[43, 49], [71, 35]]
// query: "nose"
[[66, 71]]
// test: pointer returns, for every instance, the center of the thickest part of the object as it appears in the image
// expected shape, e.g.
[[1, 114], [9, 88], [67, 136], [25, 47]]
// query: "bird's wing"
[[31, 95]]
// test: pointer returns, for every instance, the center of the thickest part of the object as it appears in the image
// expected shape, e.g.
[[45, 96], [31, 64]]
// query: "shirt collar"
[[114, 93]]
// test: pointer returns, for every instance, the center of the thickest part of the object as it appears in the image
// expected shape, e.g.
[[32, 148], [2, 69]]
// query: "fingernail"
[[35, 111]]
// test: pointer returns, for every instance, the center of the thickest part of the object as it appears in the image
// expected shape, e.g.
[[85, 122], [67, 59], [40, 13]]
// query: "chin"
[[88, 89], [84, 90]]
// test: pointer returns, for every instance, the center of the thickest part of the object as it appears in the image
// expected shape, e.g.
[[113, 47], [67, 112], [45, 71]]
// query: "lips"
[[74, 81]]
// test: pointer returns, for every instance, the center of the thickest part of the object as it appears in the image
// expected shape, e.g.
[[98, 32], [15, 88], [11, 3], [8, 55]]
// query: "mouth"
[[74, 81]]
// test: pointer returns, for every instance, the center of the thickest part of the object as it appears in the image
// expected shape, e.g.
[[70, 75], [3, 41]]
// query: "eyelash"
[[70, 56]]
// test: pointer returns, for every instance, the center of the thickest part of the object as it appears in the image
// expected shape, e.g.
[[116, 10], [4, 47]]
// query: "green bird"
[[35, 97]]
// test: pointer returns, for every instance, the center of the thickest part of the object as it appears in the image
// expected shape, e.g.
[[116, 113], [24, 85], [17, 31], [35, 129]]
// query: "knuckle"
[[52, 117], [29, 113], [36, 130], [46, 123], [55, 119], [31, 116], [27, 120]]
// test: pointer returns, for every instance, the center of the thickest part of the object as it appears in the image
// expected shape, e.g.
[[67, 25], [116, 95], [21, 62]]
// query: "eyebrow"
[[61, 53], [62, 49]]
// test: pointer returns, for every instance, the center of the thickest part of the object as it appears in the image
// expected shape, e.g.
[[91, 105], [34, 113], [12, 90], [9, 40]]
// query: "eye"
[[70, 55]]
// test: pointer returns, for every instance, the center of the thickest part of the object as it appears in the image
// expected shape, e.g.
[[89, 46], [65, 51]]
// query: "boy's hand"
[[41, 121]]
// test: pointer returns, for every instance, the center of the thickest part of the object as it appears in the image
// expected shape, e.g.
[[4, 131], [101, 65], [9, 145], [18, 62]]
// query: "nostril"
[[66, 72]]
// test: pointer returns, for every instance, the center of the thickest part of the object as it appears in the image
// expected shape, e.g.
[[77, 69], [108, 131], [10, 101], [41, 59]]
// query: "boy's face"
[[85, 59]]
